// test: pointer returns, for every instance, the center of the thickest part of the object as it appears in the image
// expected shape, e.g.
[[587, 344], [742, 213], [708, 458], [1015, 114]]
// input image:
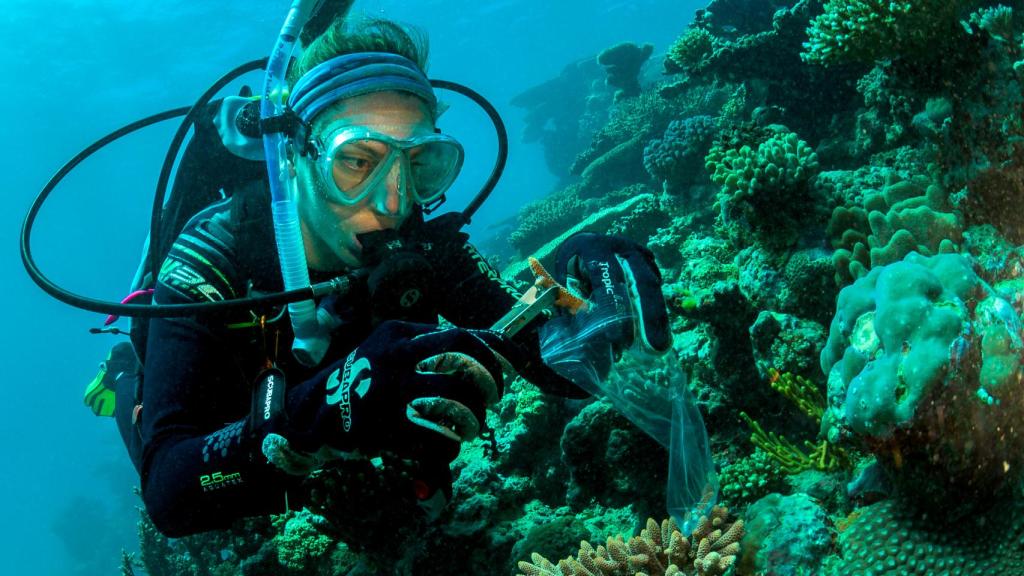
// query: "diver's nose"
[[396, 194]]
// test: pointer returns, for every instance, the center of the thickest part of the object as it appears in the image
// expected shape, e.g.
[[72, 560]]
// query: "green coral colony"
[[832, 191]]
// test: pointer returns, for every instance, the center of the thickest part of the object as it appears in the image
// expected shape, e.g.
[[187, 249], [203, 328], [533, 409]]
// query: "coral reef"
[[881, 164]]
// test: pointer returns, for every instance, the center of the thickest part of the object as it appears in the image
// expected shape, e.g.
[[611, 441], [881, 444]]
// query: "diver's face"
[[329, 227]]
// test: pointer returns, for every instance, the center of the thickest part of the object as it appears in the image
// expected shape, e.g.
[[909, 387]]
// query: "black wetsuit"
[[200, 467]]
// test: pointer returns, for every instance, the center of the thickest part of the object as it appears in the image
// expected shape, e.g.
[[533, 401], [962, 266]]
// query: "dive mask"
[[355, 162]]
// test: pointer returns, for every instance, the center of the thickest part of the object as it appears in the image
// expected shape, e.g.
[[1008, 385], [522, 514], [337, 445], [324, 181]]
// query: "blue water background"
[[73, 71]]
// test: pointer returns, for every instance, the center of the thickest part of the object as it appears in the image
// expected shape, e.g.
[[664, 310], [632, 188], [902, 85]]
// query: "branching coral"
[[791, 458], [806, 396], [750, 478], [781, 162], [863, 31], [765, 190], [657, 551], [800, 391], [690, 50], [300, 545]]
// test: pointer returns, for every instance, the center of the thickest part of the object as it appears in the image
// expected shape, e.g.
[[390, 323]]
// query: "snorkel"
[[311, 340]]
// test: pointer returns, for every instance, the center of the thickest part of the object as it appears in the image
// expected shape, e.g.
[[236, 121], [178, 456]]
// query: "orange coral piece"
[[565, 299]]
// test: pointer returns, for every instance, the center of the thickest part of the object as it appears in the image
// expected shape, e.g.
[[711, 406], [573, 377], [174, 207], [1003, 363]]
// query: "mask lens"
[[434, 166], [355, 163]]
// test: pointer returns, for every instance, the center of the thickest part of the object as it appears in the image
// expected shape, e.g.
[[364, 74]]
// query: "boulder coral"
[[924, 364], [677, 157]]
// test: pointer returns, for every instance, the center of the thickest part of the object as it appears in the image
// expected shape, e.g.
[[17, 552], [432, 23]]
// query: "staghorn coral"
[[658, 551]]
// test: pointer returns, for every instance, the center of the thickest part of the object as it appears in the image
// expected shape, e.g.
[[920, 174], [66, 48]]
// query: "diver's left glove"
[[620, 276]]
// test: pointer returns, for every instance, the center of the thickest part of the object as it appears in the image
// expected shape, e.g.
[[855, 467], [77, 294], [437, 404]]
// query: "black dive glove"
[[412, 389], [619, 275], [409, 382]]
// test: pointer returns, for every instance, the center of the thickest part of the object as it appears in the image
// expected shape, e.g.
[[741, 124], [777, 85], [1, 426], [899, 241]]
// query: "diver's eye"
[[355, 164]]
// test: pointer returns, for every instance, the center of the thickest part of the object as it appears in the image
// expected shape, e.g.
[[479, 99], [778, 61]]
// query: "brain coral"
[[924, 367], [889, 539]]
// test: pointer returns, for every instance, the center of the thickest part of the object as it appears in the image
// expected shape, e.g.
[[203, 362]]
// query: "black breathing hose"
[[340, 284]]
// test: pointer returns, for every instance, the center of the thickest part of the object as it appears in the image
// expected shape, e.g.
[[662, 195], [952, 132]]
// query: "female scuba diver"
[[229, 423]]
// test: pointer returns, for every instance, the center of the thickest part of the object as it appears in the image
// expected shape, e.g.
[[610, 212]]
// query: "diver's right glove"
[[622, 279]]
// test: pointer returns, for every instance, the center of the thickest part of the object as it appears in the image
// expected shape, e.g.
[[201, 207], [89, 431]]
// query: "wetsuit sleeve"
[[473, 295], [201, 467]]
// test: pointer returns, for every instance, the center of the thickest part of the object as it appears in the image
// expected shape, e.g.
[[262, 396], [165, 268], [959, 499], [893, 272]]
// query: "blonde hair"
[[348, 35]]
